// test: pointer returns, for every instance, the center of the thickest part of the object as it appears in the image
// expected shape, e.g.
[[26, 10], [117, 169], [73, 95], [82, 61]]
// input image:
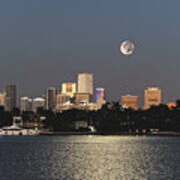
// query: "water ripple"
[[86, 158]]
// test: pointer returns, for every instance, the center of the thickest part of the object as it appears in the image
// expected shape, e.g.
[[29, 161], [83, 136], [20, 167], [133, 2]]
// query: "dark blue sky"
[[46, 42]]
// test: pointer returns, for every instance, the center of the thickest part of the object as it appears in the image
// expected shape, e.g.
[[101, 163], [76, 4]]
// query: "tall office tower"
[[38, 103], [85, 83], [2, 99], [152, 96], [68, 89], [10, 98], [130, 101], [26, 104], [100, 93], [62, 99], [51, 98]]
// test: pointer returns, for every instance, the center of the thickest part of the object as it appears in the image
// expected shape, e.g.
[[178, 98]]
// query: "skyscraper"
[[38, 103], [10, 98], [50, 98], [85, 83], [69, 89], [100, 93], [152, 96], [130, 101], [26, 104]]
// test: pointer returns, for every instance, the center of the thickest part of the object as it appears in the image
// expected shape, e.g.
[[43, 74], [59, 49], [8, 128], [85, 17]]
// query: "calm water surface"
[[89, 157]]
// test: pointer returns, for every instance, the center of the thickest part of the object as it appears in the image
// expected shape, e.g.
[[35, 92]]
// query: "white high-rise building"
[[152, 96], [85, 83], [38, 103], [26, 104]]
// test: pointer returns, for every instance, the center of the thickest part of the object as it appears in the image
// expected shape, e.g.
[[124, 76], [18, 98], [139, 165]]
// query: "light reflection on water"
[[89, 157]]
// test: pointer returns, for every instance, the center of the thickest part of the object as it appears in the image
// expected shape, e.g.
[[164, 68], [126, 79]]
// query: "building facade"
[[38, 103], [85, 83], [50, 97], [69, 89], [152, 96], [26, 104], [83, 98], [62, 99], [100, 102], [100, 93], [2, 99], [10, 97], [129, 101]]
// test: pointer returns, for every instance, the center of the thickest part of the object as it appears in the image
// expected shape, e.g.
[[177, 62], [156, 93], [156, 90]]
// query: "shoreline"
[[168, 133]]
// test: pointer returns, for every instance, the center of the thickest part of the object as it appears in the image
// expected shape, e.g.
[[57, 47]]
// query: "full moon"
[[127, 48]]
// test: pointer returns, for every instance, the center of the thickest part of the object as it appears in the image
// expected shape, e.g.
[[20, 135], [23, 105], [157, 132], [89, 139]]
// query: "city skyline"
[[68, 90], [89, 89], [45, 43]]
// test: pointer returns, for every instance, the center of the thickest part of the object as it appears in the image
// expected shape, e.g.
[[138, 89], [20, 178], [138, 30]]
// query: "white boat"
[[15, 130]]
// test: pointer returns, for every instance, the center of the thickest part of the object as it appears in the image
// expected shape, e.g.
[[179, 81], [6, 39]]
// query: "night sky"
[[46, 42]]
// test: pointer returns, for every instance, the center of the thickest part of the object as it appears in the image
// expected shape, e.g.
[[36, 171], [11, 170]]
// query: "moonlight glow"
[[127, 48]]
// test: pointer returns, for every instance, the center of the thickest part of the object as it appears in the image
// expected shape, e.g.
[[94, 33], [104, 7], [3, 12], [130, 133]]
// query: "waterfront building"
[[85, 83], [17, 121], [129, 101], [2, 99], [152, 96], [38, 103], [80, 124], [10, 97], [69, 89], [50, 97], [26, 104]]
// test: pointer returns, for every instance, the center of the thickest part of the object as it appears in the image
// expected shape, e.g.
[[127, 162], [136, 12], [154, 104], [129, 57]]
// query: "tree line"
[[111, 118]]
